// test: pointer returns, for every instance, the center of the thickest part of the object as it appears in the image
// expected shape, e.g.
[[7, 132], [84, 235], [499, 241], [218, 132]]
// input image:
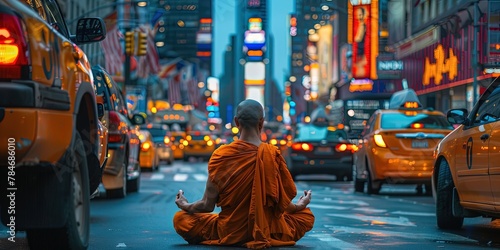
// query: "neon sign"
[[440, 67]]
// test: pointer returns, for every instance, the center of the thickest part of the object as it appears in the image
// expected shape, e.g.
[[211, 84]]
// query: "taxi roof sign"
[[404, 99]]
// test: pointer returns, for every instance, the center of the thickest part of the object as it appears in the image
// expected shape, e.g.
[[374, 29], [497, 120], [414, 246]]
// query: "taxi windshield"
[[400, 120]]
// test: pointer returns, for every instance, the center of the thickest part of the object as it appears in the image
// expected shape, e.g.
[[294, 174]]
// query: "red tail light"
[[114, 138], [114, 121], [346, 147], [302, 146], [13, 47]]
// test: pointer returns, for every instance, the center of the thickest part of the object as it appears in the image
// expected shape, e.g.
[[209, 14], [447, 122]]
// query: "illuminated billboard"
[[255, 93], [255, 40], [363, 35], [255, 73], [255, 24]]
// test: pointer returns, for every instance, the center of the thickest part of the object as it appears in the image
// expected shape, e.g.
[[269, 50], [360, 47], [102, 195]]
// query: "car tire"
[[133, 185], [373, 187], [359, 185], [444, 199], [75, 233], [119, 192], [185, 158]]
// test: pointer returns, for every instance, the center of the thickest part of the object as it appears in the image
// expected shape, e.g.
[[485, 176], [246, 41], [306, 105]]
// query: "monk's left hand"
[[180, 200]]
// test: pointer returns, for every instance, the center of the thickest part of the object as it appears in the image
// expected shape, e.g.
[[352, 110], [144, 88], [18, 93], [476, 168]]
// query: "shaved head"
[[249, 113]]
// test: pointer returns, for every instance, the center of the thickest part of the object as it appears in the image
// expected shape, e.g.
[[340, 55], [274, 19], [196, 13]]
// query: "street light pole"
[[474, 55]]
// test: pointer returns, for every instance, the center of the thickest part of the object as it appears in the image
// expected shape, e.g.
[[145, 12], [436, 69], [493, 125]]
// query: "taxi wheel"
[[444, 199], [373, 187], [75, 233], [359, 185]]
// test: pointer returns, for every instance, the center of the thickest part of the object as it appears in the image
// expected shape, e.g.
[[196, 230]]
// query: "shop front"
[[438, 65]]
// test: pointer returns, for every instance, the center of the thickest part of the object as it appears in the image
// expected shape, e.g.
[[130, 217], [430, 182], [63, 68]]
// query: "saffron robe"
[[255, 188]]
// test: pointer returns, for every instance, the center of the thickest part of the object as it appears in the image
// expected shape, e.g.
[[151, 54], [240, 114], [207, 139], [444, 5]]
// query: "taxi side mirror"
[[89, 30], [457, 116]]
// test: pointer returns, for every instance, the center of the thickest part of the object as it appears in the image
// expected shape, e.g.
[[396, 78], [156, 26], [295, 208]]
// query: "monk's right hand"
[[180, 200]]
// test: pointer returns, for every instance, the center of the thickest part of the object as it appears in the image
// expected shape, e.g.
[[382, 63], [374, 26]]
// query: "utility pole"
[[474, 55]]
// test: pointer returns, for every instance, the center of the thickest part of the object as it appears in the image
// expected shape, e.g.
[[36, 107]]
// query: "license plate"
[[324, 150], [419, 144]]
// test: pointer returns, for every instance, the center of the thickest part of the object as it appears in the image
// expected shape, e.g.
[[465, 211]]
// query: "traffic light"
[[129, 43], [142, 44]]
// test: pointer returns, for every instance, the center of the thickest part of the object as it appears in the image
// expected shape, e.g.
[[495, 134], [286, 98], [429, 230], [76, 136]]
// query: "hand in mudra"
[[304, 200], [180, 200]]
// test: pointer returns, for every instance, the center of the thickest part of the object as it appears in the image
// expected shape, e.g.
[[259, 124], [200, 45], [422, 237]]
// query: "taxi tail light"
[[417, 125], [13, 47], [302, 146], [145, 146], [379, 141], [342, 147]]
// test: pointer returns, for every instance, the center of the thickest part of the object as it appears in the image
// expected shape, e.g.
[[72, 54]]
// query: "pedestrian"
[[251, 183]]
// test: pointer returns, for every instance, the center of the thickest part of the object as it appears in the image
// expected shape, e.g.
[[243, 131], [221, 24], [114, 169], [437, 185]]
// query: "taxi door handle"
[[485, 137]]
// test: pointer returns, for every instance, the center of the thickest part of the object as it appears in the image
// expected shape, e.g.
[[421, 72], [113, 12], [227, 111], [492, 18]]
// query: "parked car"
[[148, 158], [198, 144], [397, 145], [466, 179], [321, 149], [49, 119], [162, 138], [122, 170]]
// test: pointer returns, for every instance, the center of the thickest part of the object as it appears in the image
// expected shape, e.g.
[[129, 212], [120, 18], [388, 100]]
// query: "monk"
[[251, 183]]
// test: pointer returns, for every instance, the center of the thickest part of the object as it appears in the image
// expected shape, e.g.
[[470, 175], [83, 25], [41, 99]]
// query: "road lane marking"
[[335, 243], [432, 236], [414, 213], [157, 176], [318, 206], [378, 220], [186, 169], [200, 177], [180, 177], [370, 210]]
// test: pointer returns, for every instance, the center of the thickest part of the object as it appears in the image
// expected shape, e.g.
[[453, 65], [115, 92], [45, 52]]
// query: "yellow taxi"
[[397, 145], [177, 139], [198, 144], [148, 158], [466, 178], [48, 117]]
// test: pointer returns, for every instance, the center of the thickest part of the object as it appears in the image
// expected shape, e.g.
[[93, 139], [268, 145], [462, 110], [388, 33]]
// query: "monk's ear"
[[261, 123], [236, 121]]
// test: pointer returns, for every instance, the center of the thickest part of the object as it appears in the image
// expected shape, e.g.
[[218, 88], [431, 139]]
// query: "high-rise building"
[[315, 25], [185, 31]]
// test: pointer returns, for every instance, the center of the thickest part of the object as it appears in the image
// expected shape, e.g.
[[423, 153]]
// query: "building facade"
[[449, 49]]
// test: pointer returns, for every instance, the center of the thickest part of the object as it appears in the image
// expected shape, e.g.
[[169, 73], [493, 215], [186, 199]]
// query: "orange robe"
[[255, 187]]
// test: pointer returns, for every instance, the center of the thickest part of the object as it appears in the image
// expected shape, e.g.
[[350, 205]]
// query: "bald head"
[[249, 113]]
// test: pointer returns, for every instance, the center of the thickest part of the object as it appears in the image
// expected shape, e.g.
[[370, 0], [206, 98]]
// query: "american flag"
[[113, 51], [149, 63], [174, 90], [169, 69]]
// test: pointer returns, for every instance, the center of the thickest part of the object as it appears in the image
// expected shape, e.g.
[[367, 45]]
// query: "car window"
[[319, 133], [489, 110], [402, 121], [50, 12]]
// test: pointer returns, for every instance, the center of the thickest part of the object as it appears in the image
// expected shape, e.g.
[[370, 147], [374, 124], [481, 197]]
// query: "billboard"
[[255, 40], [363, 35]]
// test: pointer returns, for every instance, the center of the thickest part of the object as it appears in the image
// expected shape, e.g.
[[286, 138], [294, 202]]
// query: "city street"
[[397, 218]]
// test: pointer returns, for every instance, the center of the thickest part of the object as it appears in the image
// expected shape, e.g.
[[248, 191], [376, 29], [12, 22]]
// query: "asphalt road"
[[397, 218]]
